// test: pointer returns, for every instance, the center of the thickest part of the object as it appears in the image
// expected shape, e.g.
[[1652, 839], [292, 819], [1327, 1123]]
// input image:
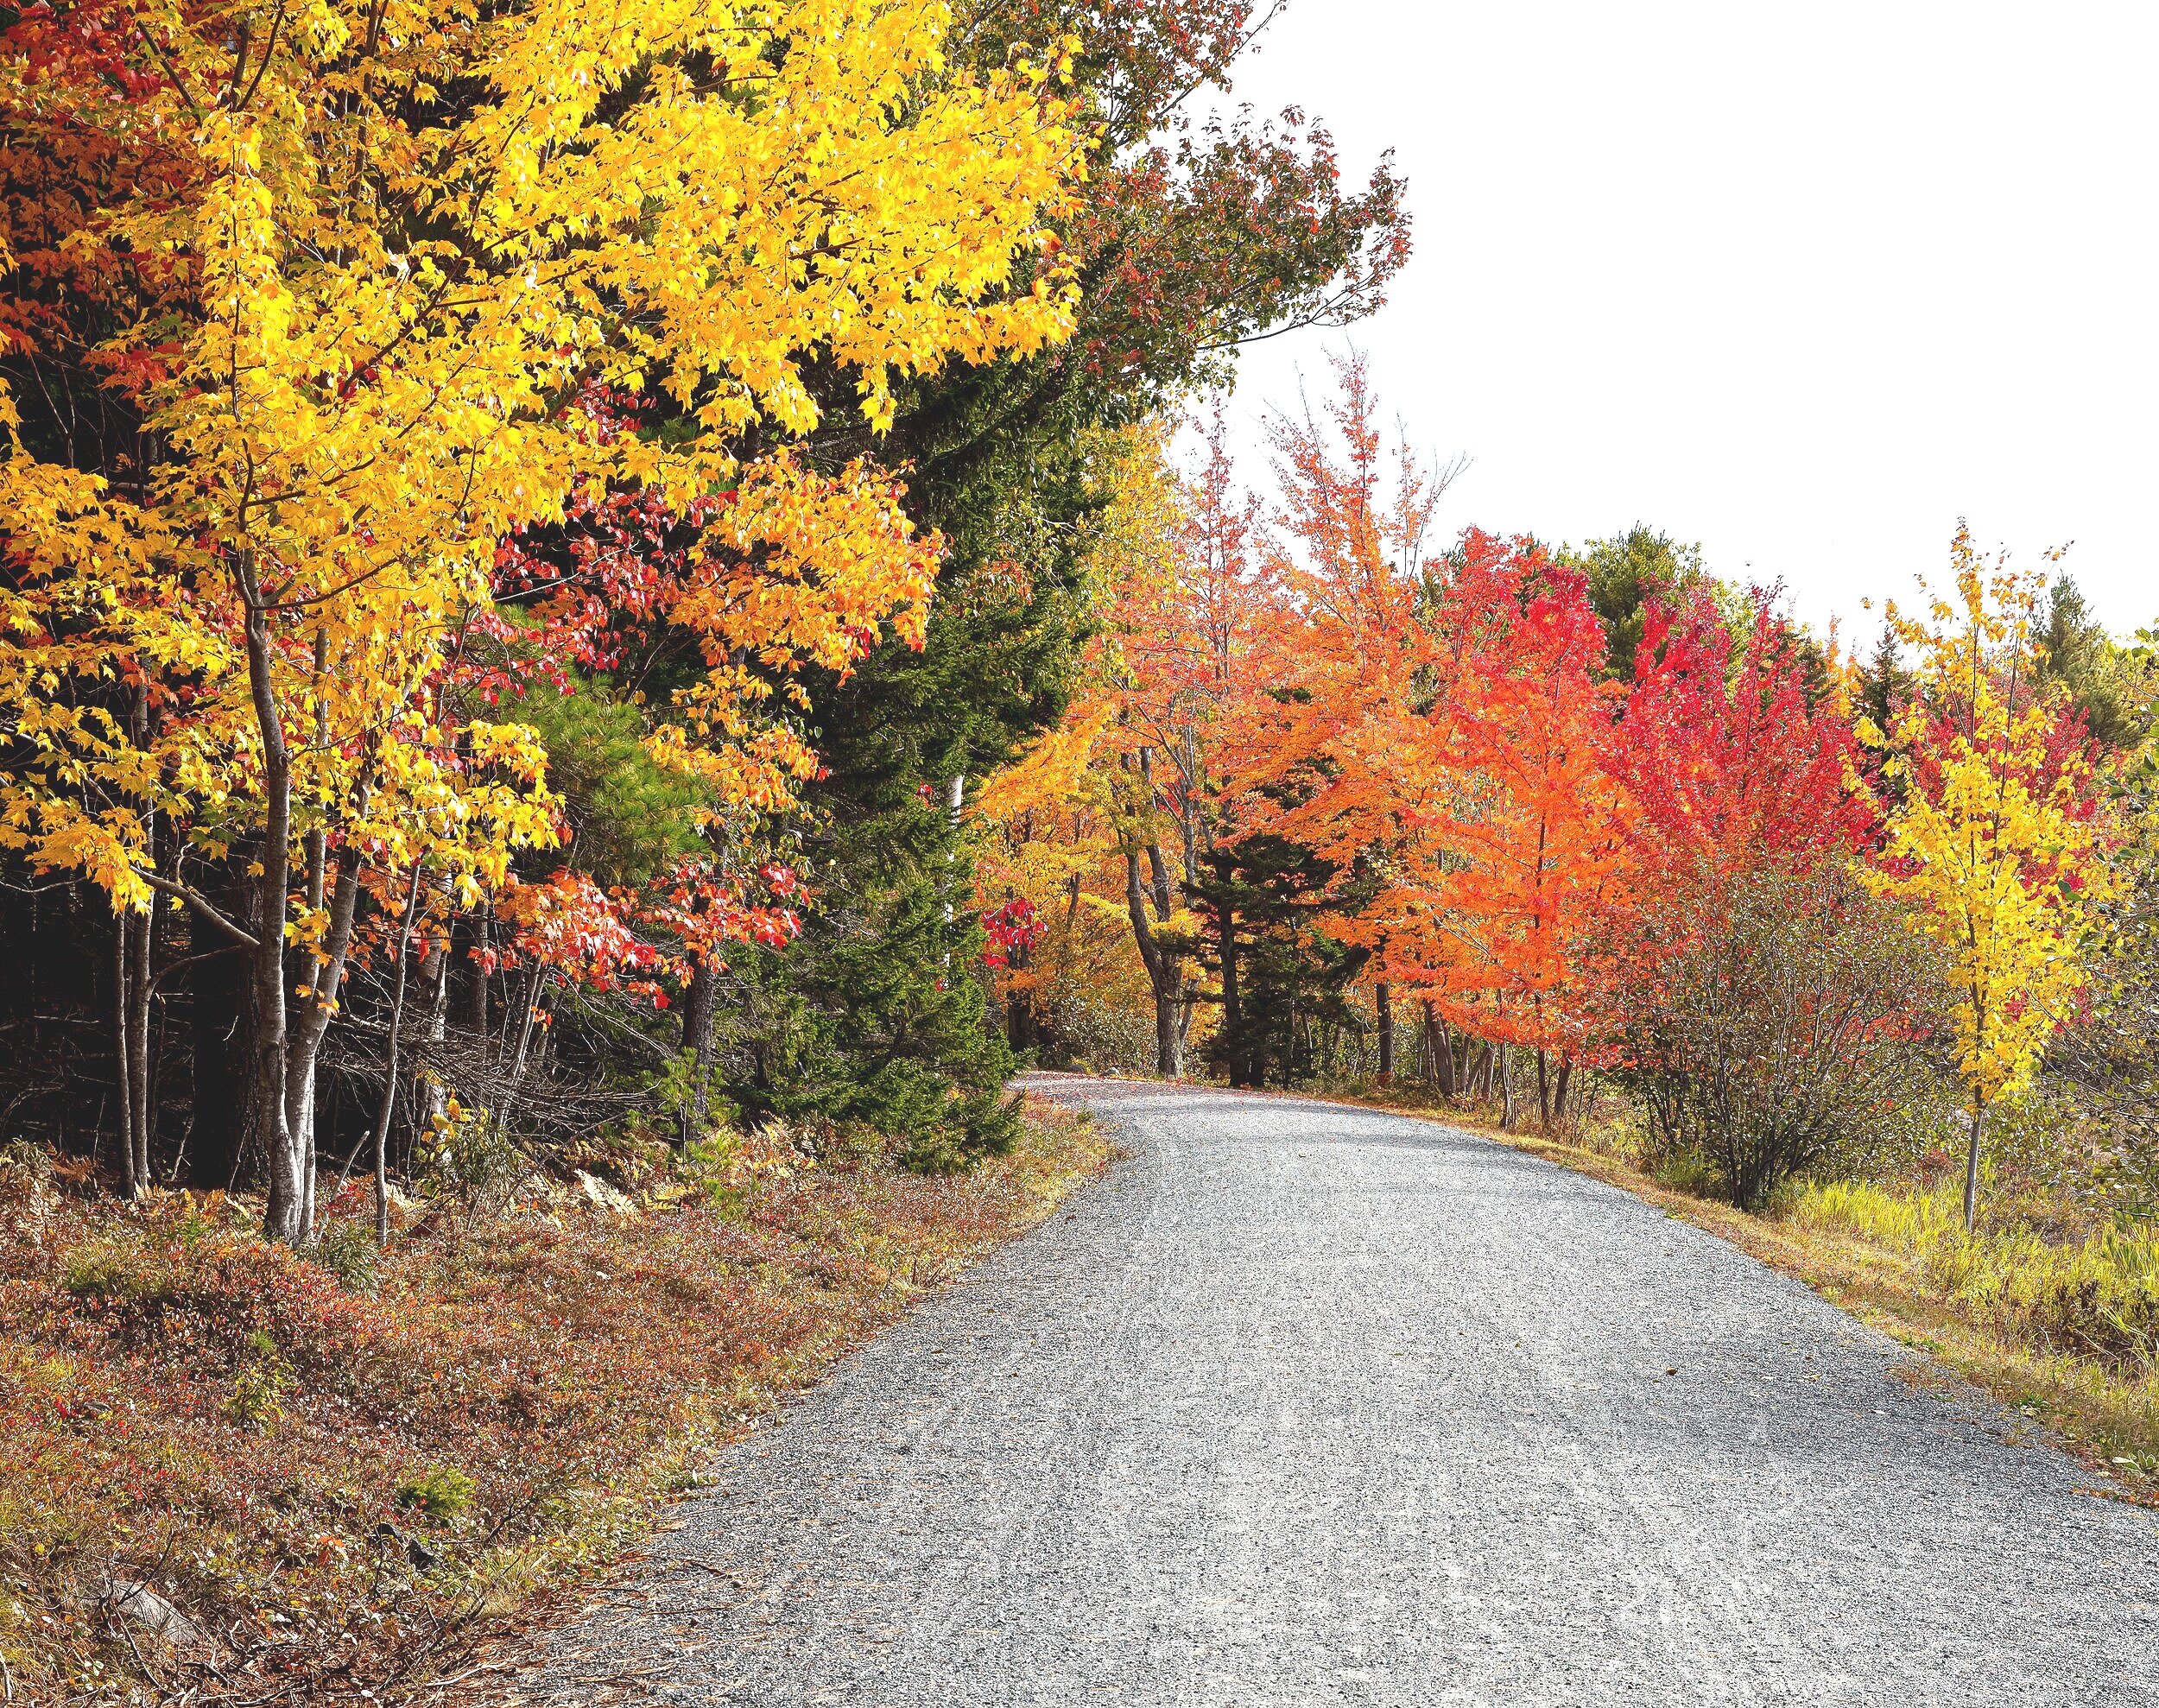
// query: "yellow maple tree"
[[1996, 841], [347, 269]]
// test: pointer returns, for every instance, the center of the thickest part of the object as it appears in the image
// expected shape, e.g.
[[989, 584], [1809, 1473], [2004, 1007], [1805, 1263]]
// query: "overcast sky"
[[1802, 284]]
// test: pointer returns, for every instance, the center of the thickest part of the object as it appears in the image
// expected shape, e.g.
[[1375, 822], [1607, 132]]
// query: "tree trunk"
[[123, 1061], [1169, 1041], [535, 989], [390, 1069], [1165, 971], [1170, 993], [142, 934], [698, 1003], [1382, 1002], [1506, 1088], [476, 994], [1442, 1051], [133, 931], [303, 1041], [1544, 1093], [285, 1217], [432, 1102], [1232, 1012], [1567, 1078], [1971, 1168]]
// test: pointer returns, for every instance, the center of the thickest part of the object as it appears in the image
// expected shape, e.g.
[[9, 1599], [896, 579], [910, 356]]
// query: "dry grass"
[[341, 1481], [2064, 1330]]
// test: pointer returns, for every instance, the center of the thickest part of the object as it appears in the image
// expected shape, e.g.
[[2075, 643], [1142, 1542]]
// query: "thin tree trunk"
[[383, 1115], [955, 803], [1971, 1168], [1566, 1079], [303, 1044], [140, 926], [517, 988], [1232, 1013], [1383, 1001], [1442, 1051], [1170, 1036], [698, 1003], [1544, 1093], [123, 1077], [132, 995], [1506, 1087], [434, 1104], [284, 1217], [535, 987], [476, 1002]]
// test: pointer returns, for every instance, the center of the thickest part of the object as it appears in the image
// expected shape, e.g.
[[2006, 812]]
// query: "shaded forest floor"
[[229, 1472], [2057, 1329]]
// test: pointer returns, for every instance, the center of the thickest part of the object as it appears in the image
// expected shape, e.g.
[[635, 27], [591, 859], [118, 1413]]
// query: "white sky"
[[1804, 283]]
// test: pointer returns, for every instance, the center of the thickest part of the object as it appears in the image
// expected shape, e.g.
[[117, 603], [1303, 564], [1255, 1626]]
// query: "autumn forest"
[[611, 616]]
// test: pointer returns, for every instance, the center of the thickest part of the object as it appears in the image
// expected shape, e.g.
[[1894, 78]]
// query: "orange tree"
[[1515, 851], [1327, 754]]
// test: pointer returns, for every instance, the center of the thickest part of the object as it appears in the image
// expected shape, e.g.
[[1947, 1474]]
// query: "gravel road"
[[1309, 1405]]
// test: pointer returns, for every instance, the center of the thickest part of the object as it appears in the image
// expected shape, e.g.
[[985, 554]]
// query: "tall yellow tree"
[[343, 270], [1996, 838]]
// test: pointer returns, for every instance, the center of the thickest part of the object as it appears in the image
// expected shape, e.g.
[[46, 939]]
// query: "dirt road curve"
[[1305, 1405]]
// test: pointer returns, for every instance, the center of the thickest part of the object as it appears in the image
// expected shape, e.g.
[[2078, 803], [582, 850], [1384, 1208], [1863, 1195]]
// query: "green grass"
[[2097, 1298]]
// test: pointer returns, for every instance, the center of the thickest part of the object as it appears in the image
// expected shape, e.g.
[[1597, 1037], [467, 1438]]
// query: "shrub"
[[260, 1385], [1773, 1034], [1104, 1037], [110, 1270], [1684, 1168], [476, 1161], [258, 1393], [347, 1250], [442, 1493]]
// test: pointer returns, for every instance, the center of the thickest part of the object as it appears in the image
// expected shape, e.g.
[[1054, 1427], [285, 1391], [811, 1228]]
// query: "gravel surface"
[[1310, 1405]]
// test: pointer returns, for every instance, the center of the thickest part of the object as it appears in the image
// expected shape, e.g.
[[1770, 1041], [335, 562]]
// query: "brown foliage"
[[331, 1484]]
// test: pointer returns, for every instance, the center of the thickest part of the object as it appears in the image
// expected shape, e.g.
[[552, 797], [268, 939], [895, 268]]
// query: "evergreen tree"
[[1884, 685], [1280, 977], [1628, 574], [2108, 684]]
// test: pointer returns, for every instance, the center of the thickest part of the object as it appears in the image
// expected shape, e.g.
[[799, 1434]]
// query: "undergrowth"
[[339, 1469], [2097, 1298]]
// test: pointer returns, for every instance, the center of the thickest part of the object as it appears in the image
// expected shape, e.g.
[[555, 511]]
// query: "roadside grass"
[[342, 1473], [2057, 1320]]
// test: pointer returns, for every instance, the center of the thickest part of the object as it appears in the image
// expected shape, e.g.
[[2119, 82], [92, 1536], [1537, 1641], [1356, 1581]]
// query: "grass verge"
[[2059, 1333], [229, 1472]]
